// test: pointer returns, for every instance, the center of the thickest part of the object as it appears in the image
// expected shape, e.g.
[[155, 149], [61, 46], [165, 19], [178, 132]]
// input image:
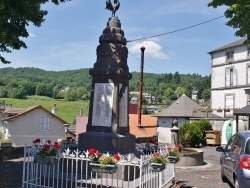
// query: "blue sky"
[[68, 38]]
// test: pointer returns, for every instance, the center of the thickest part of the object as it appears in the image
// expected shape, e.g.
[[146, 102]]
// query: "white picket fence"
[[72, 171]]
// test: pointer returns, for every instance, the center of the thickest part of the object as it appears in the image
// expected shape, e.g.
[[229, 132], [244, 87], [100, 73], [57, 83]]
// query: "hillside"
[[74, 85]]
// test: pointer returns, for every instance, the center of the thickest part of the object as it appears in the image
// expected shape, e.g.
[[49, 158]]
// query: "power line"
[[185, 28], [145, 63]]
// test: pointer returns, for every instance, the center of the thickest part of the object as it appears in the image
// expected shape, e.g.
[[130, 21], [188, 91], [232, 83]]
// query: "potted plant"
[[68, 143], [47, 153], [158, 162], [5, 143], [174, 154], [103, 163], [219, 110]]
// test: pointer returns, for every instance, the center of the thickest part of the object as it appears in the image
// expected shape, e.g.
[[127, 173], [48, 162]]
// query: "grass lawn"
[[67, 110]]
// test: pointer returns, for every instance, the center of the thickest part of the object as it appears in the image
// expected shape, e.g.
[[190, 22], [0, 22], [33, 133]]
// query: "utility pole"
[[141, 84]]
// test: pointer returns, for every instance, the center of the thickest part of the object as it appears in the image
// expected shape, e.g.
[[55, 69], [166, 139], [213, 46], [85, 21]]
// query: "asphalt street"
[[206, 176]]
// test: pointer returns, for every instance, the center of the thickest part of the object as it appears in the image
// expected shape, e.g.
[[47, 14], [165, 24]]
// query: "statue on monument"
[[112, 8]]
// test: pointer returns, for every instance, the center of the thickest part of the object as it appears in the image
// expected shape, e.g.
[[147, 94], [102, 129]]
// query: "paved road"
[[207, 176]]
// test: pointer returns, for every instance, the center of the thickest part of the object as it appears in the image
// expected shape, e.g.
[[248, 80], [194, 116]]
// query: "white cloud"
[[153, 49]]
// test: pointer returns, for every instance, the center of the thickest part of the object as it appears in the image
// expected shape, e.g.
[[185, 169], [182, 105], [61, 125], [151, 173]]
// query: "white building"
[[230, 84]]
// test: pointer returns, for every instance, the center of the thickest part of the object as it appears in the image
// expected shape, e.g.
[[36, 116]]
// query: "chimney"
[[54, 110]]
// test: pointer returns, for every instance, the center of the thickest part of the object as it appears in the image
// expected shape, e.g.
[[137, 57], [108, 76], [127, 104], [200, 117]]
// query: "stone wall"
[[11, 153]]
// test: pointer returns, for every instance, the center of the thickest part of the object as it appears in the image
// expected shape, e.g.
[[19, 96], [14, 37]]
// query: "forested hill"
[[75, 84]]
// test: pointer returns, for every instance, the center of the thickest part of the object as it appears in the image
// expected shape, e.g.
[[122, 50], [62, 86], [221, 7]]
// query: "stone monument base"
[[106, 142]]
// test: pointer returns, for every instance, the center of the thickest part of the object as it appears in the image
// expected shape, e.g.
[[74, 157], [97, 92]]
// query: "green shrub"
[[193, 134]]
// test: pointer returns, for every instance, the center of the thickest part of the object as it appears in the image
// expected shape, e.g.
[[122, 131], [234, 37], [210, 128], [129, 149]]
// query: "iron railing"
[[72, 171]]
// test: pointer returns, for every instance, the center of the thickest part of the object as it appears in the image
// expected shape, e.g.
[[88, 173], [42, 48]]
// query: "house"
[[22, 126], [152, 109], [149, 98], [230, 78], [195, 95], [180, 111]]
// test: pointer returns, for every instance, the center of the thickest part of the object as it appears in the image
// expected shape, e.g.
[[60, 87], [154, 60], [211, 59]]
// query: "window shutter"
[[229, 102], [234, 77], [227, 77], [248, 74], [41, 123]]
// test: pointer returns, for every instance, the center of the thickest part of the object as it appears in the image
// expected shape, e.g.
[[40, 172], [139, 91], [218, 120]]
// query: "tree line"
[[72, 85]]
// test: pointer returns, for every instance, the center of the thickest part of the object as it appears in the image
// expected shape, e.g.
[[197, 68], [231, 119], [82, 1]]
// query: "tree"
[[15, 16], [206, 94], [238, 13]]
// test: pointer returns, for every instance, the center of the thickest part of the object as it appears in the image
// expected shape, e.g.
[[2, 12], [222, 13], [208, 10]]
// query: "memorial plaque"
[[103, 104], [123, 107]]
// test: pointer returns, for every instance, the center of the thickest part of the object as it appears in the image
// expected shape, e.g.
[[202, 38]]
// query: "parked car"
[[235, 160]]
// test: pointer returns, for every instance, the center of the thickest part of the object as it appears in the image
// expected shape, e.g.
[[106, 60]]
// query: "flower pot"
[[50, 160], [5, 144], [173, 159], [157, 167], [110, 169]]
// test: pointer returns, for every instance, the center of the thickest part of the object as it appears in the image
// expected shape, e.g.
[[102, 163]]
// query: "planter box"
[[157, 167], [110, 169], [5, 144], [173, 159], [50, 160]]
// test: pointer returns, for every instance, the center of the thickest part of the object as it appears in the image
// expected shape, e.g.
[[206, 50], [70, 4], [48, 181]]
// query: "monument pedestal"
[[106, 142]]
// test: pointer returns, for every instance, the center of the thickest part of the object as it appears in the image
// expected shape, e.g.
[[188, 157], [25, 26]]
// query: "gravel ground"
[[206, 176]]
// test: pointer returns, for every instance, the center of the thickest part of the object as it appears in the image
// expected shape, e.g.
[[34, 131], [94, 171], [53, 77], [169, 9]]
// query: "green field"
[[67, 110]]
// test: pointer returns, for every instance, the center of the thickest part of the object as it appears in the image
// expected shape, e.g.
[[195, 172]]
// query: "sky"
[[68, 38]]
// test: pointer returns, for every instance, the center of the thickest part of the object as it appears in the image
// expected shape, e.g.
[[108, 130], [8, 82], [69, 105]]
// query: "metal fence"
[[72, 171]]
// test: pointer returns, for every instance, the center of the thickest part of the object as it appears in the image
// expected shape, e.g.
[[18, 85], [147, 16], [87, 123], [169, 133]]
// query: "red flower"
[[57, 145], [117, 157], [47, 146], [178, 146], [157, 154], [36, 141], [69, 138], [92, 151], [169, 148], [48, 141]]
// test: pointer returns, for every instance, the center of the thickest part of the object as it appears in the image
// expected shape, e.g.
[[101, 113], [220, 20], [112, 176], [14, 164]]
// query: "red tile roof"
[[148, 125]]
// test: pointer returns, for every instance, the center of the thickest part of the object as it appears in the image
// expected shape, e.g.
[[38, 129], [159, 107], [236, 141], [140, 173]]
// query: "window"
[[229, 146], [230, 56], [238, 144], [44, 124], [229, 102], [231, 77]]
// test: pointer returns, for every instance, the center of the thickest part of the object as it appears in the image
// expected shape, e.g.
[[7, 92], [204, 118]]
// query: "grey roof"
[[245, 111], [182, 107], [232, 44], [185, 107]]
